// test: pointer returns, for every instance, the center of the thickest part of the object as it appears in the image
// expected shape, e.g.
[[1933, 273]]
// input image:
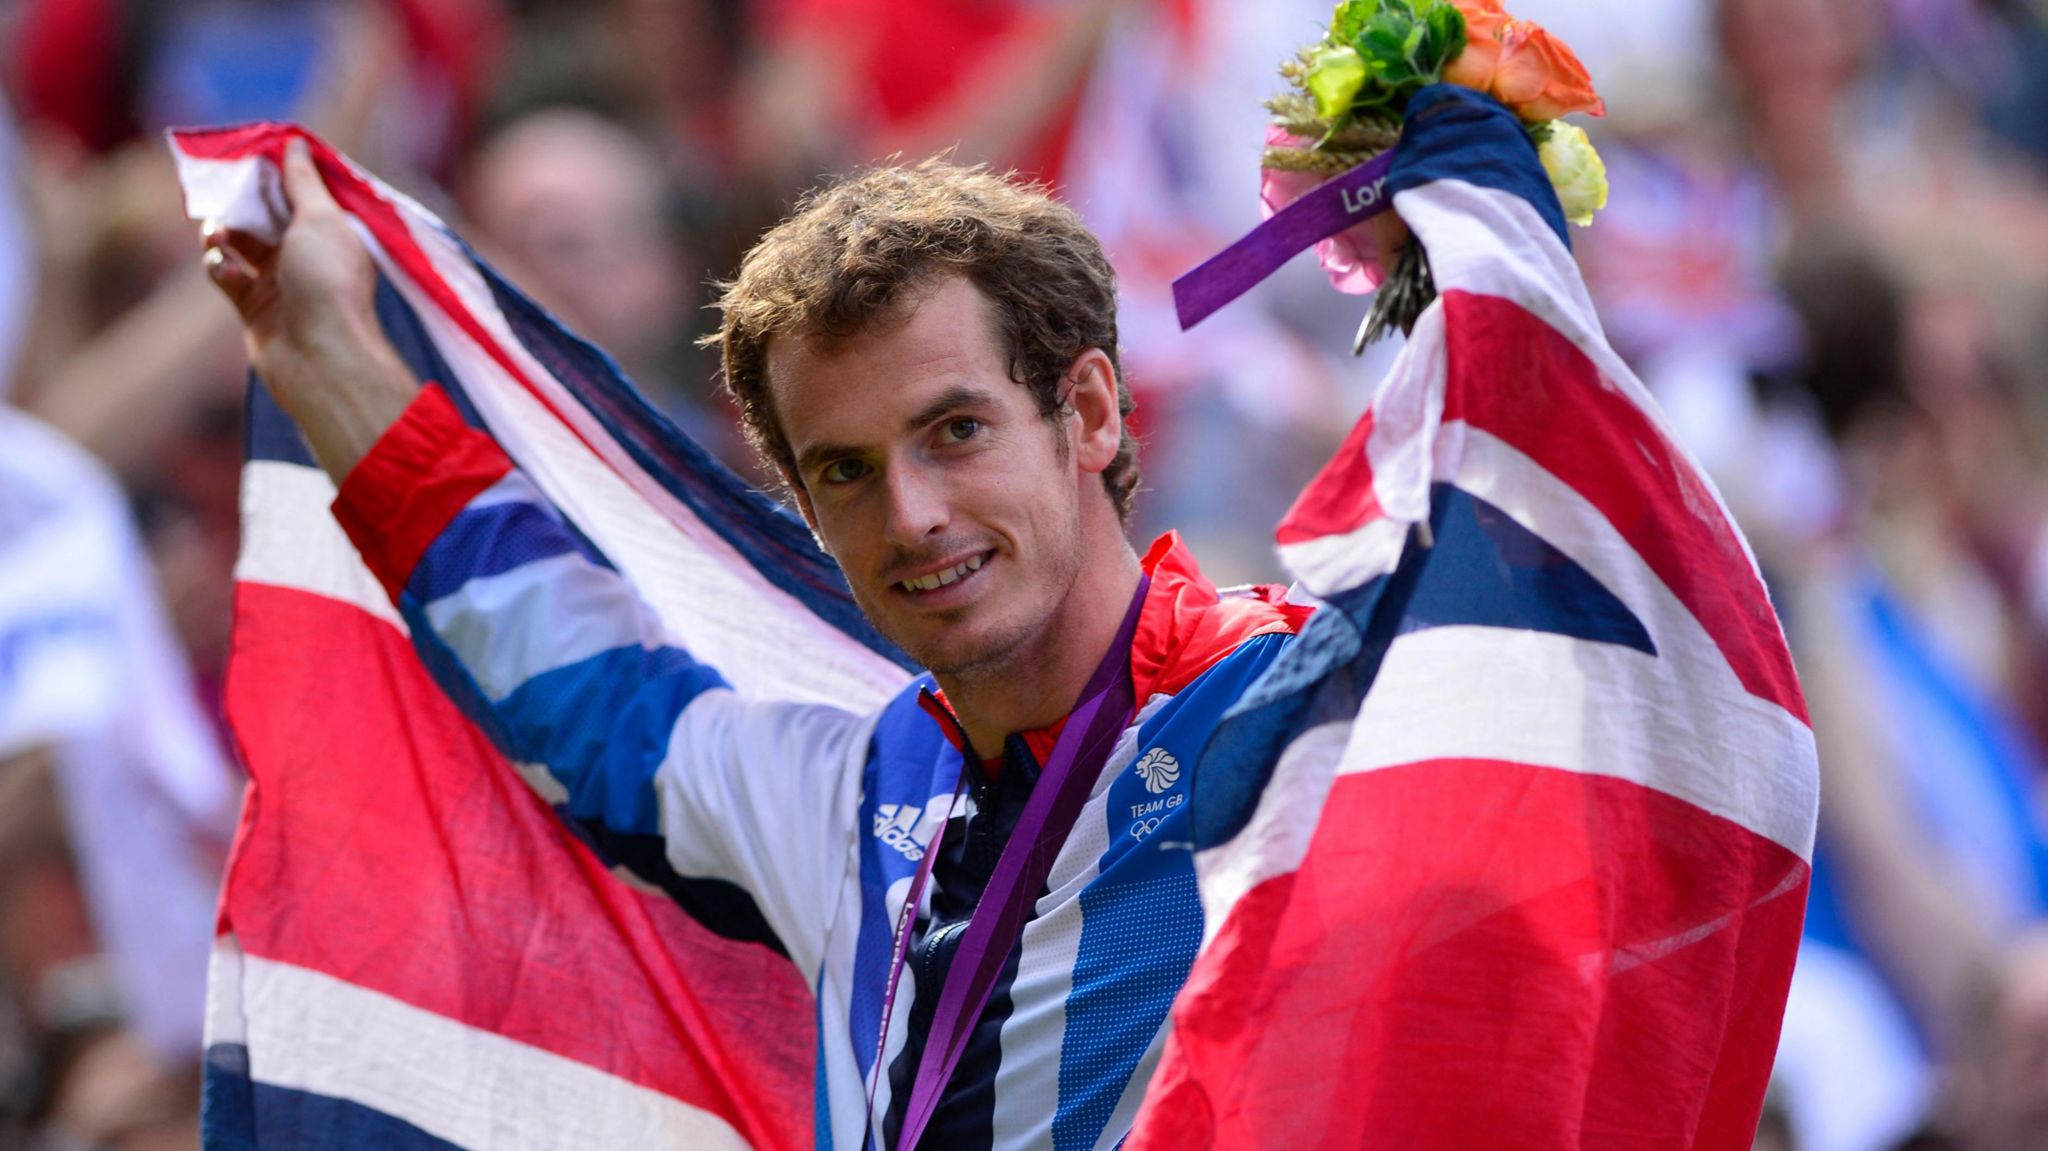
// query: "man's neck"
[[1044, 682]]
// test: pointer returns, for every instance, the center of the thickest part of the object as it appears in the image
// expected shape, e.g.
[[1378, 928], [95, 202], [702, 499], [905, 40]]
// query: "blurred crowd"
[[1827, 254]]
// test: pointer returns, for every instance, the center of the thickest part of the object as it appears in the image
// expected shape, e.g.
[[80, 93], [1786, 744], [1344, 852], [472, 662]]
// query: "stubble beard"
[[1009, 651]]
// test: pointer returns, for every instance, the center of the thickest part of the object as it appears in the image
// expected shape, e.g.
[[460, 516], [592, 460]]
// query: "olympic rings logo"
[[1145, 827]]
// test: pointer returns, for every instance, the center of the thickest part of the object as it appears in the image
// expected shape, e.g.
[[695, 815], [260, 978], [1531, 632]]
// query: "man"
[[928, 356]]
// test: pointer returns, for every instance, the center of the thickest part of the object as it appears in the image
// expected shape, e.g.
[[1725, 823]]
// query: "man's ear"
[[1094, 424]]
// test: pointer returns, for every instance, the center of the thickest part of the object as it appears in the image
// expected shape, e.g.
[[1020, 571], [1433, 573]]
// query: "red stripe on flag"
[[1520, 380], [1340, 499], [1487, 954], [386, 843]]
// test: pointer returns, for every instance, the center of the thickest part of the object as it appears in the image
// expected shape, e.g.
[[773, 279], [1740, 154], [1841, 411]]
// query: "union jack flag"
[[1512, 849]]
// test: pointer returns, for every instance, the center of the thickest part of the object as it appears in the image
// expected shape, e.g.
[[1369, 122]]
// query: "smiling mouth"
[[930, 583]]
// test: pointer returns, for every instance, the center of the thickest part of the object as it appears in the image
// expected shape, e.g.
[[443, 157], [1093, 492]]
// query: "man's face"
[[930, 476]]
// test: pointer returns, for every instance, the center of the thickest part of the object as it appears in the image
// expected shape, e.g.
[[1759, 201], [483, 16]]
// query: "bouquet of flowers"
[[1349, 90]]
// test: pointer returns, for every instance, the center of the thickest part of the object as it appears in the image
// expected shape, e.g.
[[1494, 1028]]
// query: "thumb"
[[303, 185]]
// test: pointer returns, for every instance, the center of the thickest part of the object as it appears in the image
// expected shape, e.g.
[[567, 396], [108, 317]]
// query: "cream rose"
[[1575, 170]]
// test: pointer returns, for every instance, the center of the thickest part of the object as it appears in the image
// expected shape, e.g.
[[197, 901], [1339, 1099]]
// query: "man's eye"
[[962, 429], [843, 471]]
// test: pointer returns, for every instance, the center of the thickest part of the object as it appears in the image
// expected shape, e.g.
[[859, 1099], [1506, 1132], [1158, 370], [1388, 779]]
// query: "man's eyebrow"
[[957, 396], [818, 455]]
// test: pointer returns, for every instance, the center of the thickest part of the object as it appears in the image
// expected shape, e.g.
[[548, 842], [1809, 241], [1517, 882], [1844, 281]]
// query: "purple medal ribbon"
[[1063, 787], [1352, 198]]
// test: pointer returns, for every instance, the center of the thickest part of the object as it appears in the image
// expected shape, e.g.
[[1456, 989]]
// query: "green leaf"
[[1383, 42], [1378, 53], [1334, 78], [1349, 19], [1446, 41]]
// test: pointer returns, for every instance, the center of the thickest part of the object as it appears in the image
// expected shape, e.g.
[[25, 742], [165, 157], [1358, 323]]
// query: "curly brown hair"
[[853, 250]]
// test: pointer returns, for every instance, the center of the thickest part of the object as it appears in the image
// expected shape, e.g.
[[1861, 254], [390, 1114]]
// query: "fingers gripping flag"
[[414, 951], [1511, 849]]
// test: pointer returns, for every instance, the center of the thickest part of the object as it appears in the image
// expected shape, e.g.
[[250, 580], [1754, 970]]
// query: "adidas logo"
[[894, 825]]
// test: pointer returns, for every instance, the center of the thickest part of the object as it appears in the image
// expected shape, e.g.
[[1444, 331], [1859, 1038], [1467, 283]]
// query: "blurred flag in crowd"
[[90, 671]]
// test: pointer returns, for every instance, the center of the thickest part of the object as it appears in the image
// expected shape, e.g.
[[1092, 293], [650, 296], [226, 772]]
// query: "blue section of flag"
[[409, 336], [238, 1114], [268, 434], [1453, 133], [227, 1105], [1321, 678], [1486, 570]]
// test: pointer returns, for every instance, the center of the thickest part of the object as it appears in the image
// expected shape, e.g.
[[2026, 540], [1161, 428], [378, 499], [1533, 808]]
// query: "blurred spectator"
[[575, 209], [100, 73], [2005, 1105], [841, 83], [118, 797], [1773, 1132]]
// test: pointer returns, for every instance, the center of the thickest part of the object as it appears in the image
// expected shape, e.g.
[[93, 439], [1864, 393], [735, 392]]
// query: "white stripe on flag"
[[1407, 409], [290, 539], [224, 1022], [1494, 243], [245, 195], [1597, 708], [483, 1092], [1276, 839]]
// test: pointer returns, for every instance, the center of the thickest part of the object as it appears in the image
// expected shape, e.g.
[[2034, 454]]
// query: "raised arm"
[[309, 321]]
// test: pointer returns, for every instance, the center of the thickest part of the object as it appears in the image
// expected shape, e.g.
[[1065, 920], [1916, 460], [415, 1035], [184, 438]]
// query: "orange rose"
[[1483, 18], [1474, 66], [1521, 65], [1540, 78]]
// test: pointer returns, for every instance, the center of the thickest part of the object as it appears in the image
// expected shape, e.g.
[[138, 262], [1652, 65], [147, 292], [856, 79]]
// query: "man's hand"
[[308, 309]]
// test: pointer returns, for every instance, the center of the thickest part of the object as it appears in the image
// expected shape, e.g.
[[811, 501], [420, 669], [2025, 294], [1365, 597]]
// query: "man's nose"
[[917, 506]]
